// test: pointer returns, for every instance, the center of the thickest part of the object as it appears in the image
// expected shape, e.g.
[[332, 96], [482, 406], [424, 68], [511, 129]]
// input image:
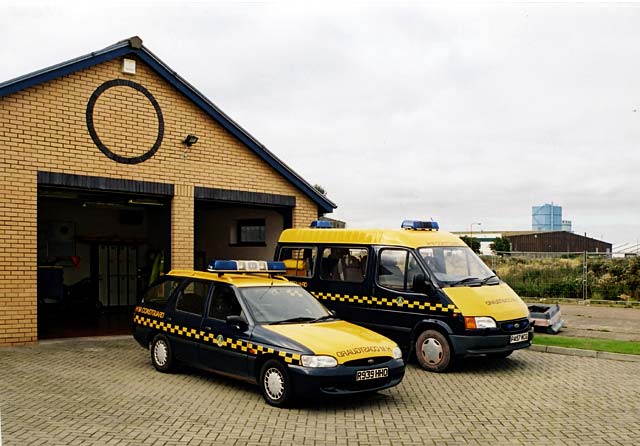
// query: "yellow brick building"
[[112, 169]]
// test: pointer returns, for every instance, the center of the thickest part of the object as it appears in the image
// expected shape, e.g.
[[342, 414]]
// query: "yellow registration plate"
[[363, 375]]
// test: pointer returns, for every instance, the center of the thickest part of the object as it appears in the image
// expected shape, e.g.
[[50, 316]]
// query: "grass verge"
[[603, 345]]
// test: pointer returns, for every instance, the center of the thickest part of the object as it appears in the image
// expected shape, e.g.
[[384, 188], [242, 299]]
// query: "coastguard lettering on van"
[[420, 286]]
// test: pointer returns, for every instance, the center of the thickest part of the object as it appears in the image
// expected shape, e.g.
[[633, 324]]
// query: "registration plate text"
[[363, 375], [519, 337]]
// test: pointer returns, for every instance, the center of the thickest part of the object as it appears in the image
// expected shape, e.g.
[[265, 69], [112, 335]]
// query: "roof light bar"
[[246, 266], [321, 224], [420, 225]]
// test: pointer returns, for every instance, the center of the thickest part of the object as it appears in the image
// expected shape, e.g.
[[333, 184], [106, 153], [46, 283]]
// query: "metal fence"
[[581, 275]]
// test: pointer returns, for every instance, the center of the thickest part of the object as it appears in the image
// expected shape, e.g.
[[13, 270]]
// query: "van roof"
[[390, 237]]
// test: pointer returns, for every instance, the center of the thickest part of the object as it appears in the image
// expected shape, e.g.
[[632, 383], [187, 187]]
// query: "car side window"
[[224, 303], [160, 292], [192, 296], [344, 264]]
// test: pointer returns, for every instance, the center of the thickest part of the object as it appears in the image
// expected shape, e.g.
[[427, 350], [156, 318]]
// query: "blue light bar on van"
[[420, 225], [320, 224], [246, 266]]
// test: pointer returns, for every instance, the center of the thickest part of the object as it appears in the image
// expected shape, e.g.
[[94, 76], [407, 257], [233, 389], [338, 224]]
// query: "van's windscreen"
[[456, 265]]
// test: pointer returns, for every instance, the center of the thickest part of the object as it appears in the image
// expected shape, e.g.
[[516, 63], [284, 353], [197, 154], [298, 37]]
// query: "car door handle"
[[169, 319], [207, 328]]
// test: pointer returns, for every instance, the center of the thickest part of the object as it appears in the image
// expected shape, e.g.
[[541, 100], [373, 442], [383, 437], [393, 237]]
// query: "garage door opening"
[[97, 252], [237, 231]]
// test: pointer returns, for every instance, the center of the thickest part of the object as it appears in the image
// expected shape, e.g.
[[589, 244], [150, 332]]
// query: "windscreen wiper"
[[293, 320], [486, 279], [324, 318], [466, 280]]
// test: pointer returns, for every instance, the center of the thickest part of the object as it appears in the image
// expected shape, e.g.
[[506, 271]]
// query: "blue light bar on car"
[[321, 224], [246, 266], [420, 225]]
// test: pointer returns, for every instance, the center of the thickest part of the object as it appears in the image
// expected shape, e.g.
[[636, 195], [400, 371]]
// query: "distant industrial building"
[[548, 217], [540, 241]]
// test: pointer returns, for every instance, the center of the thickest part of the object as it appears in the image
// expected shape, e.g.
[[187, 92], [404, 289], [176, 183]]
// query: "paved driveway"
[[81, 392]]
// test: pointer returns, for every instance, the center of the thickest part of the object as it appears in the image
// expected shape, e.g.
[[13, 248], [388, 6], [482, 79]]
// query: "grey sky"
[[464, 113]]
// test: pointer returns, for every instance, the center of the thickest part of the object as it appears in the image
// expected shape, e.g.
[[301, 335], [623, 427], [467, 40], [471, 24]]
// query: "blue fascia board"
[[123, 49]]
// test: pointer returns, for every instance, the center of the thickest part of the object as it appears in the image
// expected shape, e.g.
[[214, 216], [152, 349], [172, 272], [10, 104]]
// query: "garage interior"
[[97, 251]]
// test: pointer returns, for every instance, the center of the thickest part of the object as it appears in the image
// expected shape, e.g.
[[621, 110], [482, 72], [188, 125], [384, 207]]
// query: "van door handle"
[[169, 319], [207, 328]]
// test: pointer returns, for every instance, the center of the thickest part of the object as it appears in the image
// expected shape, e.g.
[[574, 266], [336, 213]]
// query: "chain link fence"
[[569, 275]]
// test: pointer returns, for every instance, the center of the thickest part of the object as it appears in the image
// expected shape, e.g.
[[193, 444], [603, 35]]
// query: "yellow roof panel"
[[390, 237], [237, 279]]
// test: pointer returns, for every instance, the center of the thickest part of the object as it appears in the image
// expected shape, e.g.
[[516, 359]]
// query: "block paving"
[[106, 392]]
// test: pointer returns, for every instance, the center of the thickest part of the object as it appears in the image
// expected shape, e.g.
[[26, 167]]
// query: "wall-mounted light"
[[190, 140]]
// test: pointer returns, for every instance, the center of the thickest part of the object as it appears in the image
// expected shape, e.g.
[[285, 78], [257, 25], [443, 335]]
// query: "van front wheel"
[[433, 351]]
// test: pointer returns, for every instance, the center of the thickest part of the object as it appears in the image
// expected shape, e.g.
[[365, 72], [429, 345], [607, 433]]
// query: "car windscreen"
[[281, 304], [457, 265]]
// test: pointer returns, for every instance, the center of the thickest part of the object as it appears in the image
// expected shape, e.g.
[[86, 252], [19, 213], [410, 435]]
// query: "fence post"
[[584, 270]]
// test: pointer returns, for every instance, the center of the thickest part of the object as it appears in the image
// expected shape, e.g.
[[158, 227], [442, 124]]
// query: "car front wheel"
[[275, 383]]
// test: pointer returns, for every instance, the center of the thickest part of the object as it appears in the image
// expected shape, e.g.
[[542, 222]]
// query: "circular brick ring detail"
[[94, 135]]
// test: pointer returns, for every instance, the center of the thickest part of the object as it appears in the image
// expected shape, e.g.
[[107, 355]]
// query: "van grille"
[[515, 325]]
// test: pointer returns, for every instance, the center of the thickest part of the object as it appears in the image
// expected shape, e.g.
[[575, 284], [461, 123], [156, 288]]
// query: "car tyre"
[[161, 354], [433, 351], [275, 384]]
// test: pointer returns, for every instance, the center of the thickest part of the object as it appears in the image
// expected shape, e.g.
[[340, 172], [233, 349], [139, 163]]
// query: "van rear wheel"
[[433, 351]]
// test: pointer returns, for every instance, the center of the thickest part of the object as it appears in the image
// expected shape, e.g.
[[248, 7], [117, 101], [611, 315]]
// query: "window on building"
[[251, 232]]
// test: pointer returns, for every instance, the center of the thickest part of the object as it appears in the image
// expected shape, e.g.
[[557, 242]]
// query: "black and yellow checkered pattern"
[[217, 340], [387, 302]]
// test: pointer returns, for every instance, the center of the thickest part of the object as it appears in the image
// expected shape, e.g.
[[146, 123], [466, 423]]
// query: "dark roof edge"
[[134, 46]]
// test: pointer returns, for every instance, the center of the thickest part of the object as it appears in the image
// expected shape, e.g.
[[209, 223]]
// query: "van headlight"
[[478, 322], [397, 353], [318, 361]]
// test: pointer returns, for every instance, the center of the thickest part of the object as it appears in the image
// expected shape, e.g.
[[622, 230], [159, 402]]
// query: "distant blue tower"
[[547, 217]]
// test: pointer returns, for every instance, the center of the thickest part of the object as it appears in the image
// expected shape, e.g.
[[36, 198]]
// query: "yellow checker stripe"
[[211, 338], [388, 302]]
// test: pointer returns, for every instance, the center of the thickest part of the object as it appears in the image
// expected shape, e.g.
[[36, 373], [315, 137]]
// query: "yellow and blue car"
[[243, 319]]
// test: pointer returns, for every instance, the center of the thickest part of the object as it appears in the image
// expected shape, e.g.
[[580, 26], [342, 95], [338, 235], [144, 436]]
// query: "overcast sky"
[[462, 113]]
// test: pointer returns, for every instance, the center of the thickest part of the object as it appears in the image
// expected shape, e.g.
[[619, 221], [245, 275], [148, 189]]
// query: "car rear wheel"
[[433, 351], [161, 354], [275, 383]]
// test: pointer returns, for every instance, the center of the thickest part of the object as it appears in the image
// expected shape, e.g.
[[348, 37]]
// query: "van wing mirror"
[[237, 321], [422, 285]]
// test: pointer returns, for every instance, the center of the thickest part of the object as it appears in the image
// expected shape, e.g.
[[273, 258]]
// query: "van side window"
[[396, 269], [192, 297], [344, 264], [299, 260]]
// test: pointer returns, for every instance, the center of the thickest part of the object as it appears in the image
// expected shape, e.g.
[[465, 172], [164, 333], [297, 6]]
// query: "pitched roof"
[[133, 46]]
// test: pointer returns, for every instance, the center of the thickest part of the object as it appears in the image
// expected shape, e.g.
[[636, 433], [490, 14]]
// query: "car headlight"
[[397, 353], [478, 322], [318, 361]]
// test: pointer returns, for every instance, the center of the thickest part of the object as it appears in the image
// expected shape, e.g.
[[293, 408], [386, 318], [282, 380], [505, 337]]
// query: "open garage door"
[[237, 231], [97, 251]]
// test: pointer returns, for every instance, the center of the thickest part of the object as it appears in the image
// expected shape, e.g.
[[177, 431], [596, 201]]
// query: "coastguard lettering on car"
[[150, 312], [503, 300], [365, 349]]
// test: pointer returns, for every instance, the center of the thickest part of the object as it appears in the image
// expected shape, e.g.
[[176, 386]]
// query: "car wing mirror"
[[237, 321], [422, 285]]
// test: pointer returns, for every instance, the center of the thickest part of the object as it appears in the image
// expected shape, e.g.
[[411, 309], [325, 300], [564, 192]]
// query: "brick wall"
[[44, 128]]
